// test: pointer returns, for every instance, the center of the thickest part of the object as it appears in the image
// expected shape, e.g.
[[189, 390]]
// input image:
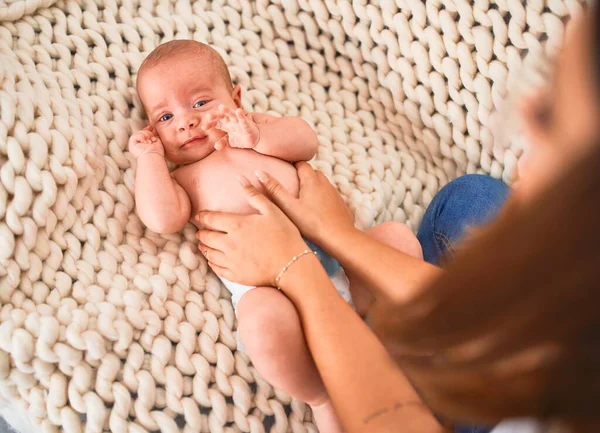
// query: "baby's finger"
[[141, 138], [240, 114], [210, 122], [222, 110], [226, 118], [221, 144], [224, 125], [240, 117], [229, 113], [247, 125]]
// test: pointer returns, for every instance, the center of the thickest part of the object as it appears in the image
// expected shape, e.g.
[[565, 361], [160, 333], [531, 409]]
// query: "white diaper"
[[339, 280]]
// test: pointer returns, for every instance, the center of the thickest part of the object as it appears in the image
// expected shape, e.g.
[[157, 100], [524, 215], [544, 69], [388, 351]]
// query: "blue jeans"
[[467, 201]]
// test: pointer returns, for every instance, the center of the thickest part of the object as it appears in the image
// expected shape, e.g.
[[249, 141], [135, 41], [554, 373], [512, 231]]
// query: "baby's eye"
[[199, 104], [165, 117]]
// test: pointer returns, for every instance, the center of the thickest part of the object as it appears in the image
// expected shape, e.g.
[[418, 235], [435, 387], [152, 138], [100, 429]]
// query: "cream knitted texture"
[[105, 326]]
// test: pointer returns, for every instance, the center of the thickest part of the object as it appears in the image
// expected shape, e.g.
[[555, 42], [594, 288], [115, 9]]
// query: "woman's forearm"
[[368, 390], [385, 270]]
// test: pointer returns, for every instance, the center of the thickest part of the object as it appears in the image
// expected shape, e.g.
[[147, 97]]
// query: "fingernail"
[[261, 175], [197, 217]]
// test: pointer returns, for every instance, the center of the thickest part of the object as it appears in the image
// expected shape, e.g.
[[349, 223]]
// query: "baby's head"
[[179, 84]]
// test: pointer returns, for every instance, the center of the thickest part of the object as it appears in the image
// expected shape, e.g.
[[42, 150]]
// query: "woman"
[[509, 329]]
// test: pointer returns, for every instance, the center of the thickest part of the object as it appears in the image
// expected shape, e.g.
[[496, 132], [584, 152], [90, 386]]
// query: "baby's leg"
[[271, 332], [396, 235]]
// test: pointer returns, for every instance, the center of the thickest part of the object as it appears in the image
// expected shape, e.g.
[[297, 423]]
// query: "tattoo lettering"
[[395, 408], [376, 414]]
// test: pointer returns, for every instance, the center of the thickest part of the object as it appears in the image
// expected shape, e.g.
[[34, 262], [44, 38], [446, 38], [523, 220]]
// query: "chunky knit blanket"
[[106, 326]]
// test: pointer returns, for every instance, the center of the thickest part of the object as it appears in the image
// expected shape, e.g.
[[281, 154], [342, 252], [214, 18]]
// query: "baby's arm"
[[289, 138], [162, 204]]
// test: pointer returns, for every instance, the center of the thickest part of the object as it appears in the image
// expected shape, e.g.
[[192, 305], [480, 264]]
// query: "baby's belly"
[[218, 187]]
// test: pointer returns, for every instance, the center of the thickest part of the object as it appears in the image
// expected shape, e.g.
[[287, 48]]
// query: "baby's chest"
[[216, 186], [210, 187]]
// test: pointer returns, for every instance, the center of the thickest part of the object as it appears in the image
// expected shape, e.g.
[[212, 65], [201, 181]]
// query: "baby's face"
[[178, 94]]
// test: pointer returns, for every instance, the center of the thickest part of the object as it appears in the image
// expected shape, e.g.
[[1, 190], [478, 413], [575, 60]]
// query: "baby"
[[196, 121]]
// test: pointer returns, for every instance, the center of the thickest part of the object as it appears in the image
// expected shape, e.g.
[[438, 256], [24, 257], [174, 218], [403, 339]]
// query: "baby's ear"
[[236, 95]]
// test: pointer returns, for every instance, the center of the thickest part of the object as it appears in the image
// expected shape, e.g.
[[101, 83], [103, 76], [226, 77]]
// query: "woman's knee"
[[480, 187], [467, 201], [266, 318], [471, 199], [398, 236]]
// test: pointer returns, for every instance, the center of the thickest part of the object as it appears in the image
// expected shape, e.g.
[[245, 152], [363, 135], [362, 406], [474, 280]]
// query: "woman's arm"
[[322, 217], [369, 391], [387, 271]]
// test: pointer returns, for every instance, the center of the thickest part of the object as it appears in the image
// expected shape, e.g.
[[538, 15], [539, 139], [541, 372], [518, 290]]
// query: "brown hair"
[[512, 328], [171, 49]]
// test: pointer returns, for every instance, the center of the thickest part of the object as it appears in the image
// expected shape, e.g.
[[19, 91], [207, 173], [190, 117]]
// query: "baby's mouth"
[[197, 139]]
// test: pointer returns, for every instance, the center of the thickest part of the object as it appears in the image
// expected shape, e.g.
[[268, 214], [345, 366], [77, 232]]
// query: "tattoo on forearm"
[[376, 414], [395, 408]]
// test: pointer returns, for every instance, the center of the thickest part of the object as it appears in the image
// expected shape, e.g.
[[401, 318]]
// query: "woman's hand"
[[319, 212], [249, 249]]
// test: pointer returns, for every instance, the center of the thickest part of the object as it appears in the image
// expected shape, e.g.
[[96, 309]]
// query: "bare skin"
[[369, 390], [188, 123], [212, 183], [203, 128]]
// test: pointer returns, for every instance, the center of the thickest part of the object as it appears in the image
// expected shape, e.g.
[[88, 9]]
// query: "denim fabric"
[[330, 264], [468, 201]]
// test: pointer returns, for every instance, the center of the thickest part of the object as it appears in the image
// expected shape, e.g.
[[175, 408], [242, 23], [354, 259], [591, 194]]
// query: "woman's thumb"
[[255, 198], [276, 192]]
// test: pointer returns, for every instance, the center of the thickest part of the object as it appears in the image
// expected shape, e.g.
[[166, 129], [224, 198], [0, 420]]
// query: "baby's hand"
[[242, 131], [145, 141]]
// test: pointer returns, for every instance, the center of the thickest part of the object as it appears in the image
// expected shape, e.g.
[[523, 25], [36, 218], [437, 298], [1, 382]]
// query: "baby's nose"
[[189, 123]]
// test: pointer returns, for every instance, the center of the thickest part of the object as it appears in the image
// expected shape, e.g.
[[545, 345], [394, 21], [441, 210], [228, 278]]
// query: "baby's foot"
[[242, 131], [326, 419]]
